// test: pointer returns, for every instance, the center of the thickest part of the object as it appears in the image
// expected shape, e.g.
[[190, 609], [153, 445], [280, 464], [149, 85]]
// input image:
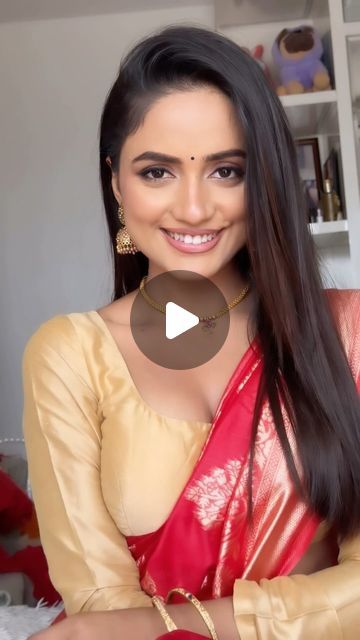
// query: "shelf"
[[302, 99], [312, 114], [246, 12], [328, 234], [352, 29], [350, 10], [324, 228]]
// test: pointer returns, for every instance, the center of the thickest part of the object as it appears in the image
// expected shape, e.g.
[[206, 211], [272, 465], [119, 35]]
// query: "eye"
[[227, 171], [156, 171]]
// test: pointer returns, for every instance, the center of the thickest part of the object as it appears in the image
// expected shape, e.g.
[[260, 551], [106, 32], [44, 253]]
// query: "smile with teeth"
[[189, 239]]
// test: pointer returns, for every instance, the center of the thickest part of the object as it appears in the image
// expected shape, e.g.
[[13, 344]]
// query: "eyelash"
[[239, 173]]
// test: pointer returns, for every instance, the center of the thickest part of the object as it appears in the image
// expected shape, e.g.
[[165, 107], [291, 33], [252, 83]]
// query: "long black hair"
[[305, 365]]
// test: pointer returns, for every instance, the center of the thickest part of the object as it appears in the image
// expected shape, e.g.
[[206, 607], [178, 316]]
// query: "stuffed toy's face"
[[295, 44]]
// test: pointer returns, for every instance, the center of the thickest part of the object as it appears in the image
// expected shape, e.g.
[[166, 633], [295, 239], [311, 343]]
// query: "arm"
[[325, 604], [89, 561]]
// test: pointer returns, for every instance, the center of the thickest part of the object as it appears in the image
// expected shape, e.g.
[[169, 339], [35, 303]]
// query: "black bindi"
[[192, 158]]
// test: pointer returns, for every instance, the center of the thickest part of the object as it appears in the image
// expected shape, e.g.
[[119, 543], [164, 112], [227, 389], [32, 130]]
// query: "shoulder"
[[50, 333], [343, 297], [58, 349], [345, 307], [59, 337]]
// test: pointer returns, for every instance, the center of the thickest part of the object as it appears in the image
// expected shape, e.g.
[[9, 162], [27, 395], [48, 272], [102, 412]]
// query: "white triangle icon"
[[178, 320]]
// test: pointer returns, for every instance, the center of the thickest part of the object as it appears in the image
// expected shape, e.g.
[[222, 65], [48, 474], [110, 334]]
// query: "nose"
[[194, 205]]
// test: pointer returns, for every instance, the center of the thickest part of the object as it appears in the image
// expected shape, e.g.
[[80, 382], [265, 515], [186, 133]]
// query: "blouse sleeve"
[[325, 604], [89, 561]]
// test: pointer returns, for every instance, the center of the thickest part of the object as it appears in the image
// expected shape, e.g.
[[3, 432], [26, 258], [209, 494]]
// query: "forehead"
[[201, 120]]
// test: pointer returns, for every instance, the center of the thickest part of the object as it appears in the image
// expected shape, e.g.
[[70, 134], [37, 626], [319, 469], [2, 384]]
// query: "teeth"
[[189, 239]]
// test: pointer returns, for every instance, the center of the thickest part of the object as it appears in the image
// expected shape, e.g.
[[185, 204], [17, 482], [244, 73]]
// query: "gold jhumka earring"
[[124, 244]]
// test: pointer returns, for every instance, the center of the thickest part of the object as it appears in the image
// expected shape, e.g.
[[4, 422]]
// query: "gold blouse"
[[103, 465]]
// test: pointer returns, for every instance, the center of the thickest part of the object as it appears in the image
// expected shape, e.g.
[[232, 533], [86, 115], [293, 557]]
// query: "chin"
[[192, 266]]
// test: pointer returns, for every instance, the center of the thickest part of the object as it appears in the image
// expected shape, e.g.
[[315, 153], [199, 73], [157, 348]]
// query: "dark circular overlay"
[[194, 294]]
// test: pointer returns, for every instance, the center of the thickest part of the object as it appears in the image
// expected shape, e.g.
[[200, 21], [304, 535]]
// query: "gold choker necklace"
[[209, 321]]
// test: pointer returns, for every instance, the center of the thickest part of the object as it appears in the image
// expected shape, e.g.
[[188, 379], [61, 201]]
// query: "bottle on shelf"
[[330, 201], [319, 215]]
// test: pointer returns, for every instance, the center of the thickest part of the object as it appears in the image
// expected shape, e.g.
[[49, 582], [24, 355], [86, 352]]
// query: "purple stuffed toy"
[[297, 54]]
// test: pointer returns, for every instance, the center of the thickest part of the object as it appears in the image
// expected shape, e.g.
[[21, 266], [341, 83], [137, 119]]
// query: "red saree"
[[206, 542]]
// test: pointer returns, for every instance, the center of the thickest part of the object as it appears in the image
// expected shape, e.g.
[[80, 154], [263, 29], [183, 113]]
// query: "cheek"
[[142, 204], [235, 208]]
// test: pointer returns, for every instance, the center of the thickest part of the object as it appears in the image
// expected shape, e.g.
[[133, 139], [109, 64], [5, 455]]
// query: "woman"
[[239, 479]]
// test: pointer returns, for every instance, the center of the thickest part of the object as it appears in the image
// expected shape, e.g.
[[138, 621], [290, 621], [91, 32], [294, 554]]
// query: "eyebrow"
[[162, 157]]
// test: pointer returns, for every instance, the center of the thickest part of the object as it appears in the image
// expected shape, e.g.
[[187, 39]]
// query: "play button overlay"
[[178, 320], [171, 319]]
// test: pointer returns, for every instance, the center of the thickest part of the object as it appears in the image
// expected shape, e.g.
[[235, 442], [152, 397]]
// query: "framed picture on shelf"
[[331, 169], [308, 158]]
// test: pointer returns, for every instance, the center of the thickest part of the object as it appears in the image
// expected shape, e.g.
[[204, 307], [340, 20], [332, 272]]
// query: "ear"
[[114, 181]]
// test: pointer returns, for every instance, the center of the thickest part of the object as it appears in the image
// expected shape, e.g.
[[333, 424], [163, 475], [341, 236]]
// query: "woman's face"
[[187, 210]]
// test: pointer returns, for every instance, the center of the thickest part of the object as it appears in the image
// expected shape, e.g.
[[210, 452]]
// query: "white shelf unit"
[[351, 10], [312, 114], [352, 28], [329, 234], [340, 33], [327, 115], [305, 99]]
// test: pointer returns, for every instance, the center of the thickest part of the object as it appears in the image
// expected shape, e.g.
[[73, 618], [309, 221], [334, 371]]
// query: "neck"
[[229, 281]]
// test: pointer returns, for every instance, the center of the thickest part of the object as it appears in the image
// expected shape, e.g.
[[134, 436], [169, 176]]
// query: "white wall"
[[54, 258]]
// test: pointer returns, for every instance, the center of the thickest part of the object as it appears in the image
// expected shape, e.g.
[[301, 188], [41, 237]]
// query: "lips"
[[192, 232], [188, 238], [194, 242]]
